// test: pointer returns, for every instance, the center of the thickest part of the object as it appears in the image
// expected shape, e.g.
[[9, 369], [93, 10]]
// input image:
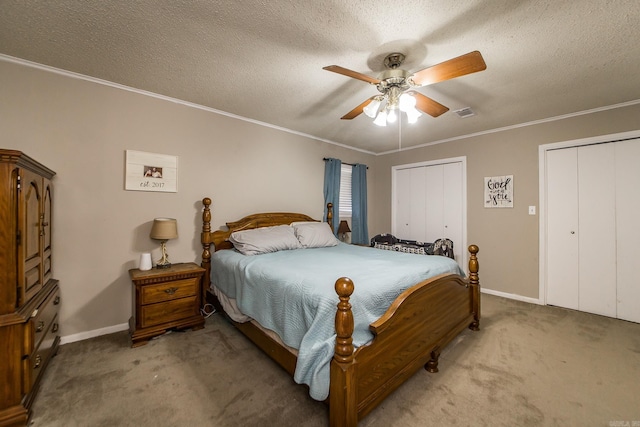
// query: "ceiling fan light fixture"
[[372, 109], [381, 120], [413, 115], [392, 116], [407, 102]]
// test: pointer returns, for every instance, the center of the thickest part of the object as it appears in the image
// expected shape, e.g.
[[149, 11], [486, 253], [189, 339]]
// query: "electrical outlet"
[[532, 210]]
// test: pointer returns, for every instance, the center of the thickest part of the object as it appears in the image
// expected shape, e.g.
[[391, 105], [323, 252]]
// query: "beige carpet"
[[528, 366]]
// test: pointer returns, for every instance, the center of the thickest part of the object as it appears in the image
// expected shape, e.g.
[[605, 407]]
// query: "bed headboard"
[[220, 238]]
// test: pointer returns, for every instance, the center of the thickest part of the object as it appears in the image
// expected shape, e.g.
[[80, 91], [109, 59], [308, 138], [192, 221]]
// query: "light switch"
[[532, 210]]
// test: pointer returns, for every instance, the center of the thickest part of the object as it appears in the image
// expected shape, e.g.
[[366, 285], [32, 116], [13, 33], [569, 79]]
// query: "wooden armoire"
[[29, 295]]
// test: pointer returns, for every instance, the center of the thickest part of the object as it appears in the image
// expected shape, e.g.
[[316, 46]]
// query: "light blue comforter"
[[292, 293]]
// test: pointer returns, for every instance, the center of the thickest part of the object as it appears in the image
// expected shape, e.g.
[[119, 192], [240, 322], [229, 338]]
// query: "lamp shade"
[[164, 229], [343, 227]]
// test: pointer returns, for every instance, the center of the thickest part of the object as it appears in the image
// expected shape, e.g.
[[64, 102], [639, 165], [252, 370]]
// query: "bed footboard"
[[409, 336]]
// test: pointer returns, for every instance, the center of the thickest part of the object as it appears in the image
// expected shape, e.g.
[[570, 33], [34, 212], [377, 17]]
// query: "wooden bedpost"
[[474, 280], [343, 411], [205, 238], [330, 215]]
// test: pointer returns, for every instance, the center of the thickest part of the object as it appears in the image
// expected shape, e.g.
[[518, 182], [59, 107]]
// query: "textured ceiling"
[[263, 59]]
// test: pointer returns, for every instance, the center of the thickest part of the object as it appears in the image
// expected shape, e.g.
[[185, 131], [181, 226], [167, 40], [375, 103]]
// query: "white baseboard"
[[512, 296], [95, 333]]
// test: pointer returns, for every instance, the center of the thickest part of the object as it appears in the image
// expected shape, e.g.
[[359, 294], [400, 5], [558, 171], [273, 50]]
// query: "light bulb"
[[406, 102], [412, 115], [381, 120], [392, 116], [372, 109]]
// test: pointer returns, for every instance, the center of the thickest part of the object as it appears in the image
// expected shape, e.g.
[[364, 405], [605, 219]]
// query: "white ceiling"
[[263, 59]]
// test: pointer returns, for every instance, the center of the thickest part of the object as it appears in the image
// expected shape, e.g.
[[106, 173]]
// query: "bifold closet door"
[[562, 228], [627, 155], [581, 229], [434, 215], [597, 229], [410, 203], [452, 206], [429, 204]]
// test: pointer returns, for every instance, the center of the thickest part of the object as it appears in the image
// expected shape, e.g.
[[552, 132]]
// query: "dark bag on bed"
[[443, 247], [384, 239]]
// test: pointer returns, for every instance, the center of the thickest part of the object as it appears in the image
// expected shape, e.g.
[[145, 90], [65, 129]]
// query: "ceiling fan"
[[396, 84]]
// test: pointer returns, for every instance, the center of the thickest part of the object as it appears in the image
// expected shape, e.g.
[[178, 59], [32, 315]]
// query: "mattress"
[[292, 293]]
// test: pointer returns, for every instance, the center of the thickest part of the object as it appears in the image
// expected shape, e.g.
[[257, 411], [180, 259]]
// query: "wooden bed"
[[409, 336]]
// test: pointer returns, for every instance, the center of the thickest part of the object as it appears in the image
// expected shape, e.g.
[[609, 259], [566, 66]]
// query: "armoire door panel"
[[47, 265], [30, 239], [562, 227], [597, 236], [627, 155]]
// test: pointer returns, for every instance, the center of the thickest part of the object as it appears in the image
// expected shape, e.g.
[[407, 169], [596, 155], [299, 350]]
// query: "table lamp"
[[164, 229], [343, 229]]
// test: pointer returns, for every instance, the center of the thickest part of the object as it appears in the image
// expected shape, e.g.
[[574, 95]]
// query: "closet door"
[[562, 228], [452, 207], [627, 154], [410, 203], [434, 209], [429, 203], [597, 235]]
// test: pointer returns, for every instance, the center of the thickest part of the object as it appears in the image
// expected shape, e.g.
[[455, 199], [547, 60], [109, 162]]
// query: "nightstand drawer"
[[155, 314], [169, 291]]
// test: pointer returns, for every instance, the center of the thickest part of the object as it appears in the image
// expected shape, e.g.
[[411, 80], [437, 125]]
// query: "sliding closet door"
[[597, 235], [562, 227], [627, 155]]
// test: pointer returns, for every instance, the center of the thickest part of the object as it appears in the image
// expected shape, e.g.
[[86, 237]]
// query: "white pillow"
[[315, 234], [293, 224], [263, 240]]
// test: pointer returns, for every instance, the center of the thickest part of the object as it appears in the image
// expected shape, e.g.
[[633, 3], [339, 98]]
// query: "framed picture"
[[151, 172], [498, 191]]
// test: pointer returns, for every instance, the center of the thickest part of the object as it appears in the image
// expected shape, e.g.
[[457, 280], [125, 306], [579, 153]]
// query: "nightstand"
[[164, 299]]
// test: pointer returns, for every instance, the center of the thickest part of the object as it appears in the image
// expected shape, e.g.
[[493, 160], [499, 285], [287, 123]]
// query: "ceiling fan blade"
[[357, 111], [466, 64], [428, 105], [352, 74]]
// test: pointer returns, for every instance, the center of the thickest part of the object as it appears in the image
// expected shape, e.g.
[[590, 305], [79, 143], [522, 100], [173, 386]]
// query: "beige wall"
[[508, 238], [81, 130]]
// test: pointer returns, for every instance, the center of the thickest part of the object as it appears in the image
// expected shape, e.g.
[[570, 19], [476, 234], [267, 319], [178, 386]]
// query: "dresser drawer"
[[43, 352], [168, 291], [164, 312], [42, 322]]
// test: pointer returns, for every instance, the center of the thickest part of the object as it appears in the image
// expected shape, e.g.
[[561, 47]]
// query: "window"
[[345, 191]]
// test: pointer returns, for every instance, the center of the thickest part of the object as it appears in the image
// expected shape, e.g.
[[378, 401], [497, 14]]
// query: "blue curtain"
[[359, 229], [332, 190]]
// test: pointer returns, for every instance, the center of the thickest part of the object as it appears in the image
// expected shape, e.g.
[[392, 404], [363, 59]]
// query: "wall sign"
[[151, 172], [498, 191]]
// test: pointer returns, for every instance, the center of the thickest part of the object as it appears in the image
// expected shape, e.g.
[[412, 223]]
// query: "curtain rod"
[[344, 163]]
